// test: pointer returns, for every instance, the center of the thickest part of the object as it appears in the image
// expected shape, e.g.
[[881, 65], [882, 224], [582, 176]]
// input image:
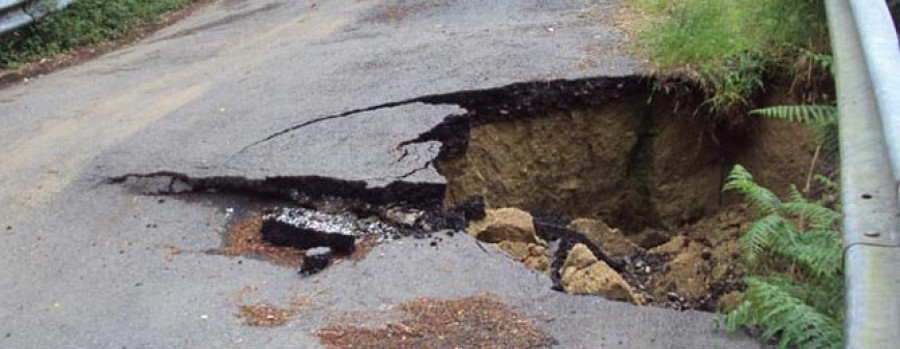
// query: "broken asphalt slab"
[[245, 90]]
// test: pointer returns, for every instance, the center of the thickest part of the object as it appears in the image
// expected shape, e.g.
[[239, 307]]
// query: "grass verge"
[[732, 47], [84, 23]]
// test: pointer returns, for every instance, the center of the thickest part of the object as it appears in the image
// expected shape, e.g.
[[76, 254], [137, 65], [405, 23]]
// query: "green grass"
[[729, 45], [84, 23]]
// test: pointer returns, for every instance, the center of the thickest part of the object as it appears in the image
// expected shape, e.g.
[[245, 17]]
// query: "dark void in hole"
[[866, 196], [284, 234], [473, 208]]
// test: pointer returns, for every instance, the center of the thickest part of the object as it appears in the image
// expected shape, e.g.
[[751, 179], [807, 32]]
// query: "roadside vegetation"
[[734, 48], [793, 255], [737, 51], [84, 23]]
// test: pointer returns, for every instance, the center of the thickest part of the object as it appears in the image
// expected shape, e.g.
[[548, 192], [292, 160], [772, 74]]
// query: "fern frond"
[[826, 182], [827, 295], [817, 216], [795, 195], [762, 199], [806, 114], [818, 252], [762, 235], [773, 304]]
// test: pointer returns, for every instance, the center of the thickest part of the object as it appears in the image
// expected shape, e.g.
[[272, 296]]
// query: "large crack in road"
[[346, 112], [589, 148]]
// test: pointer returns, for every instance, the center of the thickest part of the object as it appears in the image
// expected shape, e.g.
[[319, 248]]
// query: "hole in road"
[[584, 181], [625, 198]]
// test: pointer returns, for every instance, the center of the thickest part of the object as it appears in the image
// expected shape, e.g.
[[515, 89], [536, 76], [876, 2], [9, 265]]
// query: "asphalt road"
[[87, 264]]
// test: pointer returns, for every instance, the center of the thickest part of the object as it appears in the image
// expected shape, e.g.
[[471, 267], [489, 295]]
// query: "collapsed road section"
[[604, 185]]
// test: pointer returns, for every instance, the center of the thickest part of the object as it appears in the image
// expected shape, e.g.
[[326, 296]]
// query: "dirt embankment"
[[652, 171]]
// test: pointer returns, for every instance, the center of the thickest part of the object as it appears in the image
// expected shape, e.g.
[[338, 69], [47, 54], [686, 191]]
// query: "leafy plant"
[[823, 123], [85, 22], [793, 254]]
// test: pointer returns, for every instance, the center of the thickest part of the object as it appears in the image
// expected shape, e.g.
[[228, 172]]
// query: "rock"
[[315, 260], [532, 255], [611, 241], [505, 224], [676, 245], [537, 258], [729, 302], [284, 234], [583, 273], [579, 257], [402, 217], [686, 273], [516, 249], [650, 238]]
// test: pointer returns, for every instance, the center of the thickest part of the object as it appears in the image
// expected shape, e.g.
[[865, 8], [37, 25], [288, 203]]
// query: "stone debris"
[[532, 255], [284, 234], [505, 224], [676, 245], [687, 272], [400, 216], [609, 240], [537, 258], [316, 259], [306, 228], [583, 273], [332, 223]]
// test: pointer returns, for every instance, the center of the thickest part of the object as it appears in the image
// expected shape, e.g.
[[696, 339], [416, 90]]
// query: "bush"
[[85, 22]]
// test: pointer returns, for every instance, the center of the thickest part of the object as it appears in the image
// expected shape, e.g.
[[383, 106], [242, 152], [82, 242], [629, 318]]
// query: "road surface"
[[262, 89]]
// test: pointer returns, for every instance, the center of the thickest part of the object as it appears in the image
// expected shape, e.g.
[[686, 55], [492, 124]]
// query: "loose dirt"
[[245, 239], [481, 321], [652, 172]]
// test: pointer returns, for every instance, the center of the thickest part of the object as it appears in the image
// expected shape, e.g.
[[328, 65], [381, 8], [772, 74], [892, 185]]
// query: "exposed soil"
[[481, 321], [654, 171]]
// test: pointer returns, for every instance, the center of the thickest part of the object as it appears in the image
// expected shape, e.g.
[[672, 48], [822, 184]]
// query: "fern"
[[795, 292], [761, 235], [804, 114], [761, 198], [822, 120]]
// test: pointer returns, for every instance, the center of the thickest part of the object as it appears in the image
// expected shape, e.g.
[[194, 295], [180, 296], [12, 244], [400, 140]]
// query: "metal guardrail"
[[18, 13], [867, 62]]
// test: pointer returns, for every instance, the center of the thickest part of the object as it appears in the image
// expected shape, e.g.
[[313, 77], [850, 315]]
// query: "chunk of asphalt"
[[284, 234], [315, 260]]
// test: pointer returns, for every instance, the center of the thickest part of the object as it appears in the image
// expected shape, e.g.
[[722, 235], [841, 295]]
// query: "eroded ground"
[[131, 183]]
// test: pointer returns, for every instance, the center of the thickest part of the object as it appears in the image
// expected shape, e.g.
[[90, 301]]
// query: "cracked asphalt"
[[269, 88]]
